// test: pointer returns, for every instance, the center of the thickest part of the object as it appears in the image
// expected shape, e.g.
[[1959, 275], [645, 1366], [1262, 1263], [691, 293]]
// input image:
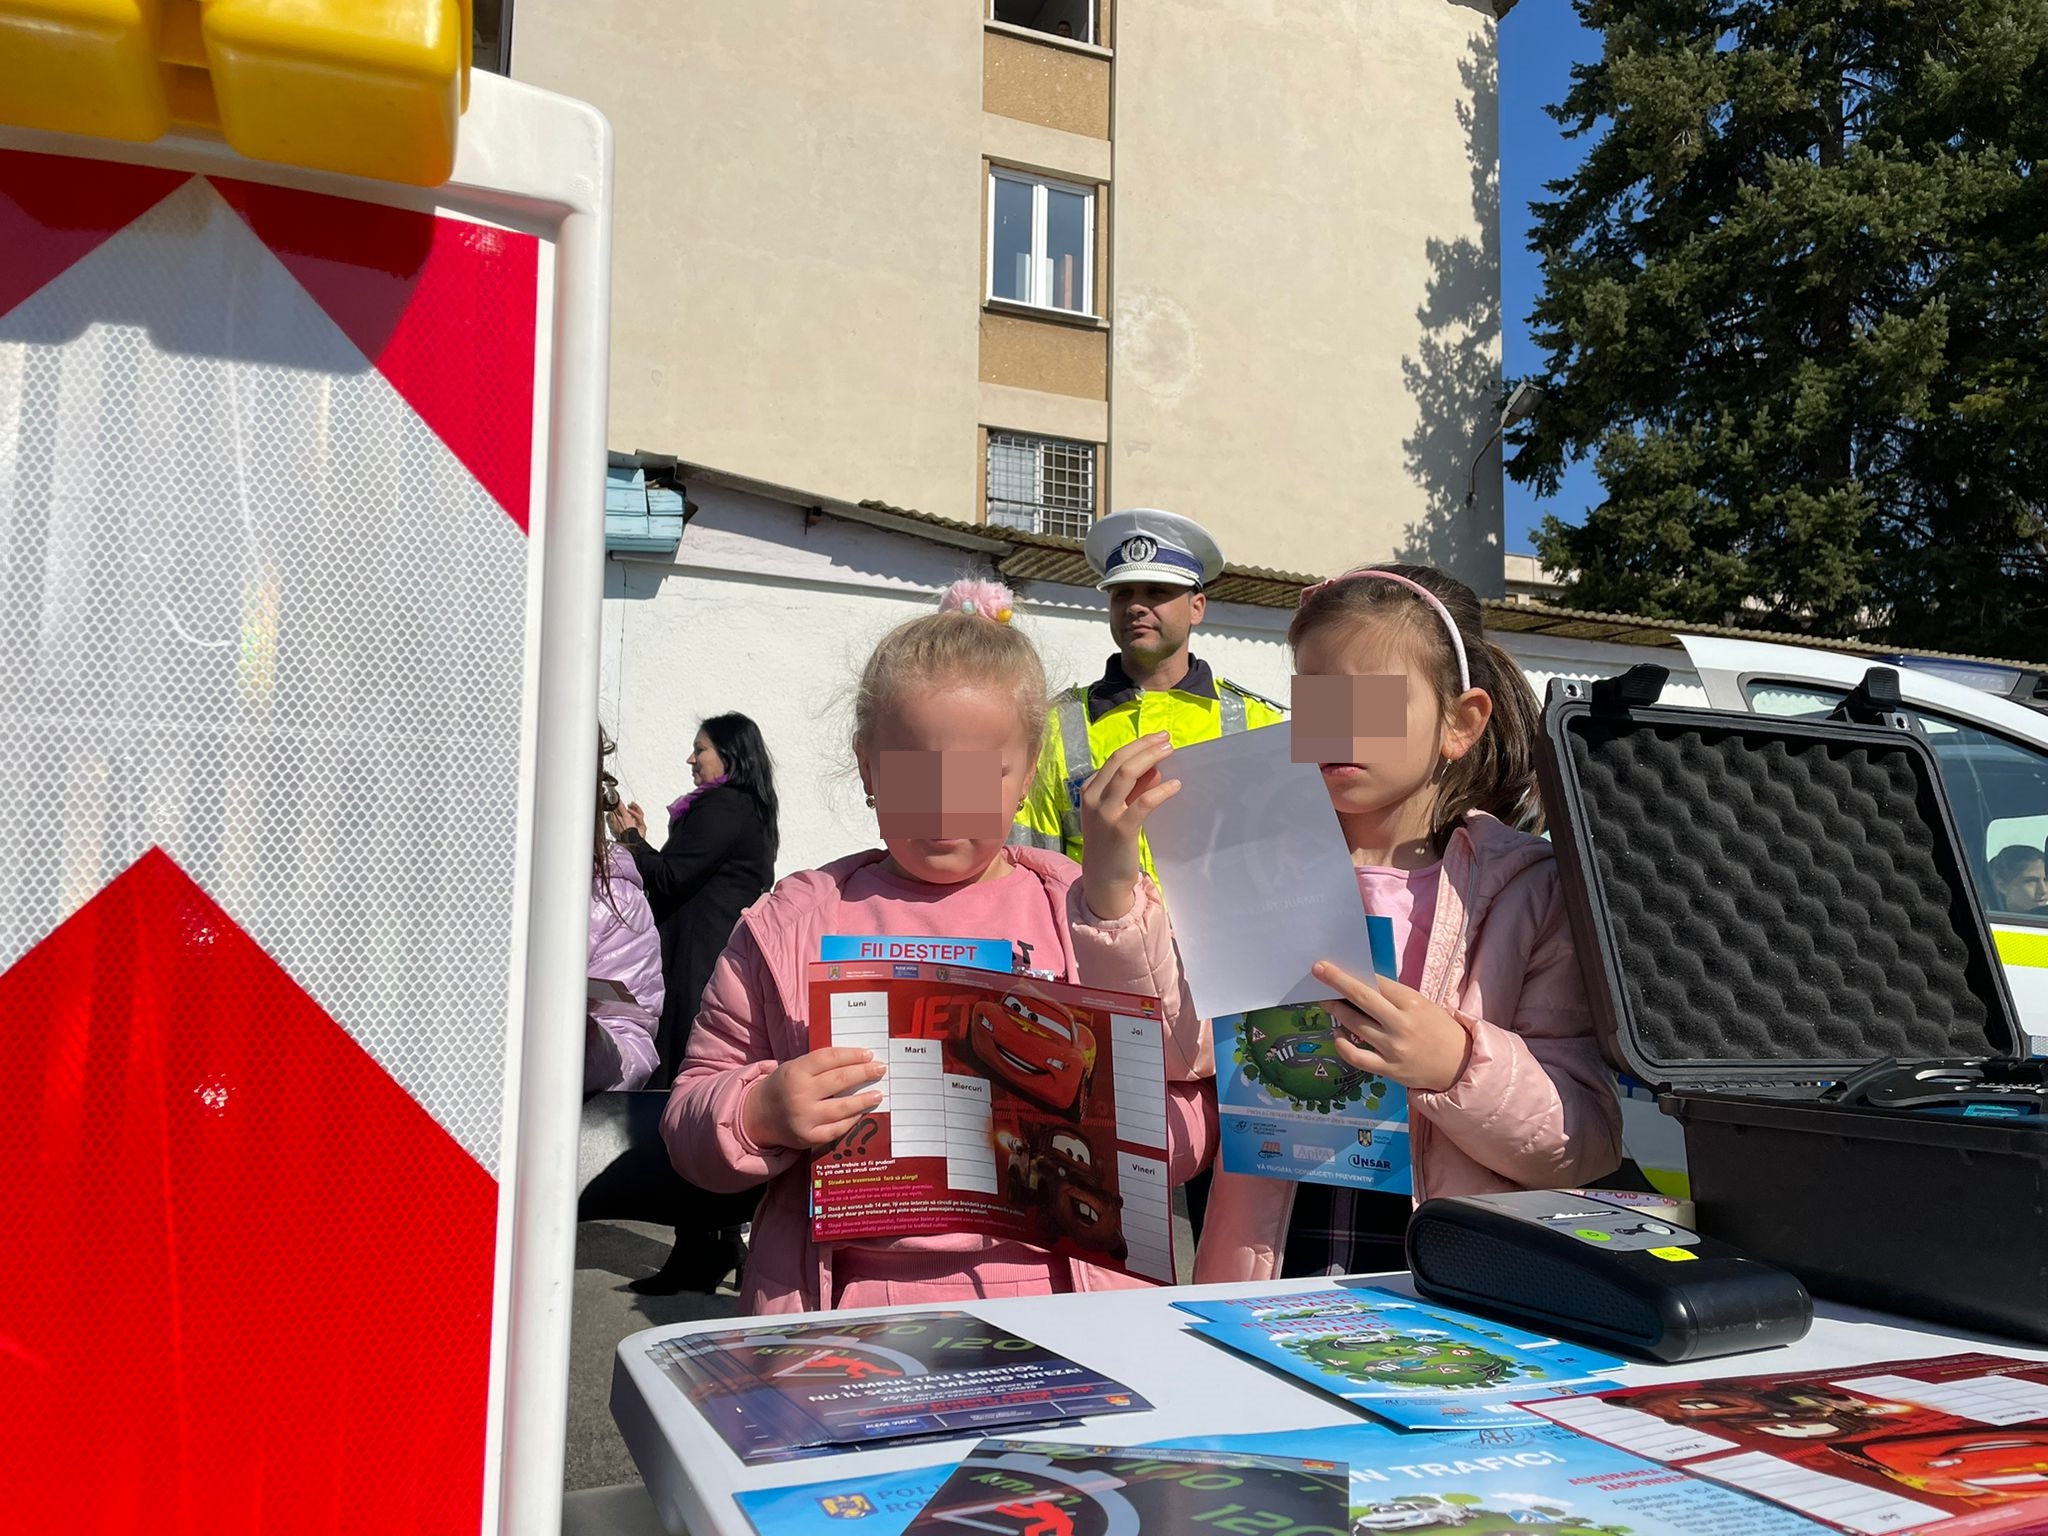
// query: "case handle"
[[1875, 701], [1637, 688]]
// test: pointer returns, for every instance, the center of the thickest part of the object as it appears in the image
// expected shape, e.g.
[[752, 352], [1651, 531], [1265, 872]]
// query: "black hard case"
[[1763, 907]]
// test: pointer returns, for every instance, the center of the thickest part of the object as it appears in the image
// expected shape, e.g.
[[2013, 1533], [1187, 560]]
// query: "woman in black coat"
[[718, 860]]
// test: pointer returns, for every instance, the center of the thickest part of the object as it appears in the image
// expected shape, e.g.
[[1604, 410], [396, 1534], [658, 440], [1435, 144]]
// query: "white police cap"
[[1145, 544]]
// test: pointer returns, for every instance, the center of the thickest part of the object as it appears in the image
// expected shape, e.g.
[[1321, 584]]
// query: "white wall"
[[796, 250], [1307, 277], [765, 616]]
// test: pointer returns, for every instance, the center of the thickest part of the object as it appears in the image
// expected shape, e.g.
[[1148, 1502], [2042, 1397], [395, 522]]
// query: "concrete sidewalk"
[[608, 1254]]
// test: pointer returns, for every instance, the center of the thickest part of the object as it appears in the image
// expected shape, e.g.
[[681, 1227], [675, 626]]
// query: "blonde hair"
[[969, 640]]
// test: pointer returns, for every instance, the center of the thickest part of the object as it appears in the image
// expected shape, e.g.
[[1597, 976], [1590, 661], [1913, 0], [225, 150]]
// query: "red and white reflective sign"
[[283, 593]]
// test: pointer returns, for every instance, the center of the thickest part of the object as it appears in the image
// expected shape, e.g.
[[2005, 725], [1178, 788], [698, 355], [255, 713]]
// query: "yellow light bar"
[[371, 88]]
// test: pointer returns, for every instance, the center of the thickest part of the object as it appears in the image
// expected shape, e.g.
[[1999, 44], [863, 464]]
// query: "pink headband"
[[1429, 597]]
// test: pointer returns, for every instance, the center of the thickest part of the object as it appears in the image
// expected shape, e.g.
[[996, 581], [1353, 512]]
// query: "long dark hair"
[[1498, 776], [748, 767], [607, 802]]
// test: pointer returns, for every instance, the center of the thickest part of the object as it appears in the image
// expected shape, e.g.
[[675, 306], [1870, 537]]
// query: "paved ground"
[[608, 1254]]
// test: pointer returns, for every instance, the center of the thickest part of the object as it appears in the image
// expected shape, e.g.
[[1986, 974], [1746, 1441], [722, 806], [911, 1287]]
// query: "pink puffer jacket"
[[1536, 1108], [755, 1015], [625, 950]]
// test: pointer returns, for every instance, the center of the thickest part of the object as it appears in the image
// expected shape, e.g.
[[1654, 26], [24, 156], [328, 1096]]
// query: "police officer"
[[1154, 566]]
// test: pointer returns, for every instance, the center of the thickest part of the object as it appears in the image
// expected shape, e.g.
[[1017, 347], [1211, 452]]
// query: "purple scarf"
[[679, 806]]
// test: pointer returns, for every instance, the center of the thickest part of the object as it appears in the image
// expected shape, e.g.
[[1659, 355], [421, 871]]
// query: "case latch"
[[1875, 701], [1637, 688]]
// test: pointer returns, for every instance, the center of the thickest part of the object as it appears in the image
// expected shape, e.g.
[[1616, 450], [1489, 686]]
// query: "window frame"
[[1041, 262], [1037, 443], [1093, 39]]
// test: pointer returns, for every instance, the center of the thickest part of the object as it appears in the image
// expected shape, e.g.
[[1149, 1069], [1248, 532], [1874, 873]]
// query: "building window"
[[1041, 242], [1061, 18], [1041, 484], [491, 36]]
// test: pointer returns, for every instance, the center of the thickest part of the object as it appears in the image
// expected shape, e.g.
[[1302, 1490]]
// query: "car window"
[[1788, 700], [1997, 788]]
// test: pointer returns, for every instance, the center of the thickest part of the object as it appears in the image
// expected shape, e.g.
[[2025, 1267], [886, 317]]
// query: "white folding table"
[[1195, 1387]]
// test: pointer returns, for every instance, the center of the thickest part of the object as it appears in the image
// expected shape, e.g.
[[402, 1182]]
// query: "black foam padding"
[[1772, 899]]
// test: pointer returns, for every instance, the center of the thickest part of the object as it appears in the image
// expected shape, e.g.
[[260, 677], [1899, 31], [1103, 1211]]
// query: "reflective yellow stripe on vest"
[[1072, 715]]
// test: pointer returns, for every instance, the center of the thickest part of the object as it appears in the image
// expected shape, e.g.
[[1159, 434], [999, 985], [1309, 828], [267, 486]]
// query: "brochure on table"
[[1952, 1444], [779, 1391], [1013, 1107], [1520, 1479], [1041, 1488], [1292, 1109], [1413, 1364], [1523, 1479]]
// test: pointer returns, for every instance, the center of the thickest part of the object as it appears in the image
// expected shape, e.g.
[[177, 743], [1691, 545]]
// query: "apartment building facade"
[[1023, 261]]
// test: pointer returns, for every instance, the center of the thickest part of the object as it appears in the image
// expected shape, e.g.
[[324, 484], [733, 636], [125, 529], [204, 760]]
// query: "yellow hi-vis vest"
[[1091, 721]]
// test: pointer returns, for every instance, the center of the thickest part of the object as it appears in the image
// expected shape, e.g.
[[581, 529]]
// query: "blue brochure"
[[1291, 1108], [968, 954], [1411, 1363], [1515, 1478]]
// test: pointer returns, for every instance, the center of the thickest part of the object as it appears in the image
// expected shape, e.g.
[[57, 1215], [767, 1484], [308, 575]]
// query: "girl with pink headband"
[[1425, 733]]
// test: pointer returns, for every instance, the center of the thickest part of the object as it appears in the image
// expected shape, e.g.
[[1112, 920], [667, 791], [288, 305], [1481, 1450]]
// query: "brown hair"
[[959, 645], [1498, 776], [607, 802]]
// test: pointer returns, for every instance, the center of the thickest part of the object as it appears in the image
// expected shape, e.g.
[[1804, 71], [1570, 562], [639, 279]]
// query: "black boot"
[[697, 1262]]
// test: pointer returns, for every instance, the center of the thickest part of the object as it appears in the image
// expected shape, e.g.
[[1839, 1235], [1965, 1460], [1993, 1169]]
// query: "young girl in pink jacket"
[[1488, 1027], [964, 690]]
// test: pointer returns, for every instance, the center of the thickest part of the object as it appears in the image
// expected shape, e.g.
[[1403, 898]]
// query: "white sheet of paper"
[[1256, 875]]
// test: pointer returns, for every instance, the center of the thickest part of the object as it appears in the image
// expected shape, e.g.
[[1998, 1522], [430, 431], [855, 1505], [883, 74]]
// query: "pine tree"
[[1795, 305]]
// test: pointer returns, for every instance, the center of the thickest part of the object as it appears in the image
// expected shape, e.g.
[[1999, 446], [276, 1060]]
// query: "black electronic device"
[[1602, 1275], [2002, 1087], [1781, 936]]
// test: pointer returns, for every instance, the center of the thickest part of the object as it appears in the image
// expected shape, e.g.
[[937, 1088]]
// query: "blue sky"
[[1539, 42]]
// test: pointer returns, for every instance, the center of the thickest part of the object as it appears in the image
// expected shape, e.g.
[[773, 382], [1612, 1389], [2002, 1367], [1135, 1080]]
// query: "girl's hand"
[[629, 819], [795, 1105], [1396, 1032], [1114, 804]]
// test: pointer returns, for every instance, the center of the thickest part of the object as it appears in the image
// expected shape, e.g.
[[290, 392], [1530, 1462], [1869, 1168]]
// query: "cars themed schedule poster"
[[1292, 1108], [1012, 1107], [776, 1391], [1956, 1444], [1026, 1488], [1413, 1364]]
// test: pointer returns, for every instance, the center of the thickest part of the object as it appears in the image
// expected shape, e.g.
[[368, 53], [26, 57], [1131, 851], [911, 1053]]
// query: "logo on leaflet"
[[847, 1506], [1269, 1149], [905, 972]]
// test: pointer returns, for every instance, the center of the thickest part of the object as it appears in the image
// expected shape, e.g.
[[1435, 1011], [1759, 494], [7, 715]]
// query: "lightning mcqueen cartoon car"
[[1037, 1048], [1976, 1463]]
